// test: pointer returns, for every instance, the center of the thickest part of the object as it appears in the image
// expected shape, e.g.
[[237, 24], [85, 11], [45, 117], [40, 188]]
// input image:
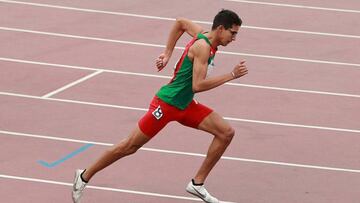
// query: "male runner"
[[174, 101]]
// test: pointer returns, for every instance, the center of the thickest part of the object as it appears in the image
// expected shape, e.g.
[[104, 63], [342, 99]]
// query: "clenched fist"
[[239, 70], [161, 61]]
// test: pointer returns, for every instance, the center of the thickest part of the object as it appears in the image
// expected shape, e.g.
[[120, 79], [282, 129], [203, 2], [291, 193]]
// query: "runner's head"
[[226, 23]]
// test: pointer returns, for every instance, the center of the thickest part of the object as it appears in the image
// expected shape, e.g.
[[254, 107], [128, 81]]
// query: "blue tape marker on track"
[[69, 156]]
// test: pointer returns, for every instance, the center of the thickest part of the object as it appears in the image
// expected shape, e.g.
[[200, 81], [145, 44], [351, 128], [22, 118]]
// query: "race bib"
[[157, 113]]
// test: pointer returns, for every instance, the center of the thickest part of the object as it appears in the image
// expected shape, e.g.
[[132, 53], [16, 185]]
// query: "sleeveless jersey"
[[178, 92]]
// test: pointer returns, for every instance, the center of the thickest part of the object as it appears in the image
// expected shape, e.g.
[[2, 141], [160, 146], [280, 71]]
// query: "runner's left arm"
[[200, 83]]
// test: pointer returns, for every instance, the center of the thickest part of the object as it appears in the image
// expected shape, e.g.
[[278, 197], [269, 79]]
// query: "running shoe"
[[78, 186], [201, 192]]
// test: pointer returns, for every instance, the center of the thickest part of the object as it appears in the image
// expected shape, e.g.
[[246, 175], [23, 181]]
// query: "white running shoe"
[[78, 186], [201, 192]]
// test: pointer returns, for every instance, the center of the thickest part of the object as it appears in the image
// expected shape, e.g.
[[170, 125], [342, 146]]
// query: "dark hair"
[[227, 18]]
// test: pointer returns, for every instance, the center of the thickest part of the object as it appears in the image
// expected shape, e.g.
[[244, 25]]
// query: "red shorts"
[[161, 113]]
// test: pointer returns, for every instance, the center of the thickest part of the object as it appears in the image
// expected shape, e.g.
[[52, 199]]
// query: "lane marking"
[[168, 77], [296, 90], [37, 180], [276, 163], [293, 125], [180, 48], [290, 58], [173, 19], [61, 89], [144, 109], [302, 32], [297, 6], [65, 158]]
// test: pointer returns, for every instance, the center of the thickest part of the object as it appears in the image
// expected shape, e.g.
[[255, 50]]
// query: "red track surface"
[[313, 162]]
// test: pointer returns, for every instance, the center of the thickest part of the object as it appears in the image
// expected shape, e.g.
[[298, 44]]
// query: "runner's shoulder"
[[200, 46]]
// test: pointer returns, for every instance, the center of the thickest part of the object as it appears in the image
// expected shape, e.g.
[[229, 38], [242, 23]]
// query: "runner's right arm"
[[181, 25]]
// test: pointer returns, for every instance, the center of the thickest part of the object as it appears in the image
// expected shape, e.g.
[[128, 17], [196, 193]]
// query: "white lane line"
[[181, 48], [302, 32], [144, 109], [168, 77], [291, 59], [297, 6], [50, 94], [184, 153], [56, 65], [292, 125], [82, 37], [37, 180], [73, 101], [295, 90], [173, 19]]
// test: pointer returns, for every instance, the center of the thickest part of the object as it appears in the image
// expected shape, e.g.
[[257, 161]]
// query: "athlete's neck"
[[212, 38]]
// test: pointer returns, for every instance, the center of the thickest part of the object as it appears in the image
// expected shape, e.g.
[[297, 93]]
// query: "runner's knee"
[[227, 135]]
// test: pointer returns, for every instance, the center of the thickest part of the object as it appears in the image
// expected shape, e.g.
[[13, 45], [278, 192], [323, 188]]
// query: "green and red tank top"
[[178, 92]]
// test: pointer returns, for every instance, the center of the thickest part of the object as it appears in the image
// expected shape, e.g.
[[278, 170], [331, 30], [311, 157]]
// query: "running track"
[[80, 73]]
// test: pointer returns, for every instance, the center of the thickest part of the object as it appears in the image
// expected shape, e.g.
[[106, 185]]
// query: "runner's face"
[[229, 35]]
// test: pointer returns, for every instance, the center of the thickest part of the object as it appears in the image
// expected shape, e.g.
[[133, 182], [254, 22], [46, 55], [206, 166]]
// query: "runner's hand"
[[239, 70], [161, 61]]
